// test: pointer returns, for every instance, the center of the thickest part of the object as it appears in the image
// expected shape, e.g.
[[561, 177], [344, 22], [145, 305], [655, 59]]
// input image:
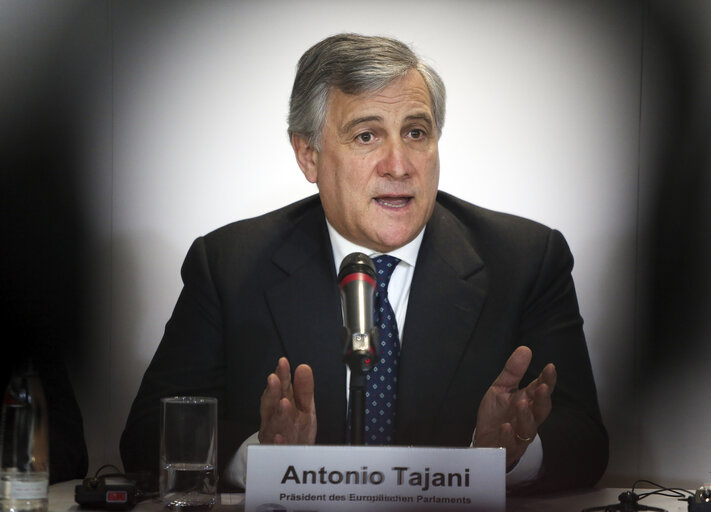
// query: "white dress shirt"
[[398, 294]]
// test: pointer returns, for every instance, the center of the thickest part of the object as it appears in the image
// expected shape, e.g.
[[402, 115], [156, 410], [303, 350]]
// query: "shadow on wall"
[[679, 278], [657, 425], [41, 223], [674, 323]]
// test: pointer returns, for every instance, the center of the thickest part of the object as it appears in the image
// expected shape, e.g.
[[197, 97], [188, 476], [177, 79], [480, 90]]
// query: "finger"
[[271, 395], [283, 371], [524, 425], [514, 369], [547, 376], [269, 409], [304, 388], [541, 405], [539, 393], [277, 425], [287, 421]]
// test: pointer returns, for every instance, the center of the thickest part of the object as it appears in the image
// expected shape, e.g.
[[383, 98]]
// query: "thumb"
[[304, 388], [514, 369]]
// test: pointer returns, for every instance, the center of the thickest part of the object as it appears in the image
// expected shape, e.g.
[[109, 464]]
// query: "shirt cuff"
[[236, 471], [528, 467]]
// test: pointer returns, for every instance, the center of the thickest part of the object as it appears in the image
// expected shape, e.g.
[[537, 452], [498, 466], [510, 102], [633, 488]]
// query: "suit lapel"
[[306, 309], [446, 297]]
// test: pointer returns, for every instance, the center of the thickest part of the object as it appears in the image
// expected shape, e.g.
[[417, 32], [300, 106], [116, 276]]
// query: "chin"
[[390, 241]]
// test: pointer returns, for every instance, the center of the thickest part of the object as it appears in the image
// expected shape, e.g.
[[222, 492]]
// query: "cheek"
[[433, 167], [348, 179], [340, 189], [427, 165], [355, 175]]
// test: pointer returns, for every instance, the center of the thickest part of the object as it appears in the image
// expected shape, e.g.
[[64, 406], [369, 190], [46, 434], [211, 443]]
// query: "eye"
[[365, 137], [416, 133]]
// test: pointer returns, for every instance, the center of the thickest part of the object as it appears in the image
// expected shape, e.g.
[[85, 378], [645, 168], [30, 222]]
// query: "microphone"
[[356, 279]]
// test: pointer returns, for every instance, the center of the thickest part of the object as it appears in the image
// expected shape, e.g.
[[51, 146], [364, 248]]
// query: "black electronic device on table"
[[111, 492]]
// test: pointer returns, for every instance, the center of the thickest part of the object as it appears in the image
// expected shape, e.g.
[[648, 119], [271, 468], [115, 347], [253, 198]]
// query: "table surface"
[[61, 499]]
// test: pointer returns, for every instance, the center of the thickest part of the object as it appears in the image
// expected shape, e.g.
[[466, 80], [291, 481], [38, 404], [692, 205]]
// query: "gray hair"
[[355, 64]]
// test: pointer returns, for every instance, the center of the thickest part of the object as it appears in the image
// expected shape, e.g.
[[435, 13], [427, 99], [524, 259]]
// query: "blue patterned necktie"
[[381, 388]]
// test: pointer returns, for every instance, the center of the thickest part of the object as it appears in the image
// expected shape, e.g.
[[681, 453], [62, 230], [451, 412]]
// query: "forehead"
[[403, 96]]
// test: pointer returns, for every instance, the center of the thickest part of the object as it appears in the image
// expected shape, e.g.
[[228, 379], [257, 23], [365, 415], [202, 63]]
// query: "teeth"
[[399, 204]]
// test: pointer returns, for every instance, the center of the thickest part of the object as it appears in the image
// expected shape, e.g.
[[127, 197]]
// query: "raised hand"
[[509, 417], [288, 411]]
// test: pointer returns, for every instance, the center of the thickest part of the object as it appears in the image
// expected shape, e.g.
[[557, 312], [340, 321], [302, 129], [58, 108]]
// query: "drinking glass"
[[188, 452]]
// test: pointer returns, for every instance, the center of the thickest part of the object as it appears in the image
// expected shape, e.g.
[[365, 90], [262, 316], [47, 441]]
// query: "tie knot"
[[384, 266]]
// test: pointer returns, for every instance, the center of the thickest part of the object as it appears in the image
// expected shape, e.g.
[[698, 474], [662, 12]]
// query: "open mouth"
[[394, 202]]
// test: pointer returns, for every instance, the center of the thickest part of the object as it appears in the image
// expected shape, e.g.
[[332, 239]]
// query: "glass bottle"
[[24, 445]]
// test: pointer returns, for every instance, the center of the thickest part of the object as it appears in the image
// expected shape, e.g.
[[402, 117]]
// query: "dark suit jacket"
[[484, 283]]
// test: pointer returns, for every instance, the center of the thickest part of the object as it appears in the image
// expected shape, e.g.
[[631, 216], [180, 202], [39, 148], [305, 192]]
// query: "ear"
[[306, 156]]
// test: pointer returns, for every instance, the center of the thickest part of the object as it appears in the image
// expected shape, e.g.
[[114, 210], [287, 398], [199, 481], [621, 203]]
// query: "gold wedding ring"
[[524, 439]]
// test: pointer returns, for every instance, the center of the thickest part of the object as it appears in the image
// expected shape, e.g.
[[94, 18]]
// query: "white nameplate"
[[375, 478]]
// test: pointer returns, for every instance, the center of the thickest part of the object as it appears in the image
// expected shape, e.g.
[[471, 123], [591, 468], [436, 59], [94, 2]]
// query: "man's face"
[[378, 168]]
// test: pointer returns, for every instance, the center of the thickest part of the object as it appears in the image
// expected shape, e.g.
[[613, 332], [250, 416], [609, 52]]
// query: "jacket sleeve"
[[575, 442], [188, 361]]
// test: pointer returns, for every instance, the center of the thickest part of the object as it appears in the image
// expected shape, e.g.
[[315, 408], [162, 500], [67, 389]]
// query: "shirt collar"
[[343, 247]]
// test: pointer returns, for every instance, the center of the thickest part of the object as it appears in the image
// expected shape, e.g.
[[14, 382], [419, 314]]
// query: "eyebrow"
[[420, 117], [358, 120], [423, 116]]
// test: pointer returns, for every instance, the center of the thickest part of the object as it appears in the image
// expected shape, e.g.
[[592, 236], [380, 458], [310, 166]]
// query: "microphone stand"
[[360, 356], [357, 281], [357, 388]]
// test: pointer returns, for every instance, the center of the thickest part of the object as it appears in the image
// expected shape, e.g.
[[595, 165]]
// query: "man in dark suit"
[[474, 292]]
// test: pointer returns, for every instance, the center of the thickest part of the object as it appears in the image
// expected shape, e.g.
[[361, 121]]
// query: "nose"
[[394, 160]]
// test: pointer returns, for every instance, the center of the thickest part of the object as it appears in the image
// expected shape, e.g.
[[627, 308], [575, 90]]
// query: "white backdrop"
[[186, 131], [542, 121]]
